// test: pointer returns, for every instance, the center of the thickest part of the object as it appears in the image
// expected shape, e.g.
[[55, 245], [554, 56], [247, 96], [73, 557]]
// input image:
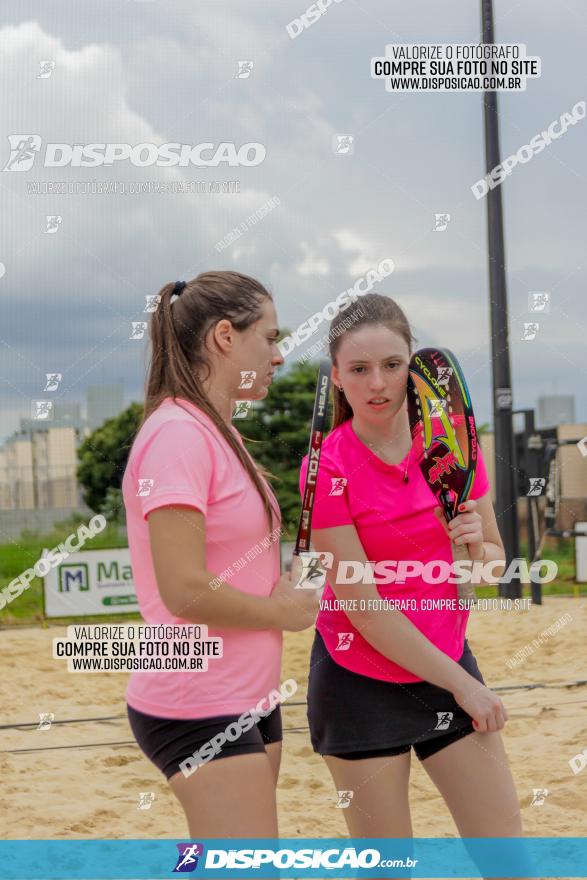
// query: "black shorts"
[[169, 741], [353, 716]]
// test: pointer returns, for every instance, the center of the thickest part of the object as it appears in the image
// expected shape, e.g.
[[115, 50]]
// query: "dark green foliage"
[[279, 427], [102, 459]]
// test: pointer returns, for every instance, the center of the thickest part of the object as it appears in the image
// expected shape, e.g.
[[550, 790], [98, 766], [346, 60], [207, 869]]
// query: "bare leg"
[[379, 806], [474, 778], [274, 754], [230, 797]]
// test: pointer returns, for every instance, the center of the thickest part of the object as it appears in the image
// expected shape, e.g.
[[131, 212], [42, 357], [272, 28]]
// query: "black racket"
[[315, 447], [317, 430]]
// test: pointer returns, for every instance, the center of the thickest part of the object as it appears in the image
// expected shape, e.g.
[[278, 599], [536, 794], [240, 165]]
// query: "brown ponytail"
[[178, 357]]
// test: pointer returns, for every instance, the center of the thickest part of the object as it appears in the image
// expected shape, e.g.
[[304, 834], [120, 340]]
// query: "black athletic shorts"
[[353, 716], [169, 741]]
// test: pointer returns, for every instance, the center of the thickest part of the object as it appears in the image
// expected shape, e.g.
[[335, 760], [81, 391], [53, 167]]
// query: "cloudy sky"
[[159, 71]]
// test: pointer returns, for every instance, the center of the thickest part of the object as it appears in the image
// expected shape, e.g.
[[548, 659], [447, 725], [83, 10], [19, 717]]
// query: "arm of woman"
[[392, 633], [396, 637], [188, 590]]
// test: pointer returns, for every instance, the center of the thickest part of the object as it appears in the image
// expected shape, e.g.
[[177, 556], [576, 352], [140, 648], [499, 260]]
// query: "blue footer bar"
[[536, 857]]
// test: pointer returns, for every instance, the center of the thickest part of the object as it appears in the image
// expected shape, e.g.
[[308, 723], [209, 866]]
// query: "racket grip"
[[465, 590]]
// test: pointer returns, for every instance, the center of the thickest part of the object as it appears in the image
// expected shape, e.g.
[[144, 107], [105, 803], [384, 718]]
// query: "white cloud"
[[313, 263]]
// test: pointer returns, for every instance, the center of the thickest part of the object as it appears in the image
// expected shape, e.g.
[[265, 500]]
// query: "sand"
[[67, 791]]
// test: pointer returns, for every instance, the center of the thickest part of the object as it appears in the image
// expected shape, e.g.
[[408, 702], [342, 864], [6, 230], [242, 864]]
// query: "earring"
[[340, 387]]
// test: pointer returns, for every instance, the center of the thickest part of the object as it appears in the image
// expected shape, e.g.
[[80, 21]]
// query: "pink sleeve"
[[177, 466], [481, 484], [331, 501]]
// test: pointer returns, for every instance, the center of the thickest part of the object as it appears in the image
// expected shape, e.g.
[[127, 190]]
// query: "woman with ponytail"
[[391, 668], [203, 532]]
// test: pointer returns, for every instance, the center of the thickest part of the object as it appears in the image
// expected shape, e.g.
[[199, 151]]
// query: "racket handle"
[[465, 590]]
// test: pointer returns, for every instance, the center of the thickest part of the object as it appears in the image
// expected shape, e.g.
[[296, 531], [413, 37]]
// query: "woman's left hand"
[[465, 528]]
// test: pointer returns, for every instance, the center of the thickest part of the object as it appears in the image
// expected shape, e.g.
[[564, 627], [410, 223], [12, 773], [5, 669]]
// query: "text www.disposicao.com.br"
[[112, 664]]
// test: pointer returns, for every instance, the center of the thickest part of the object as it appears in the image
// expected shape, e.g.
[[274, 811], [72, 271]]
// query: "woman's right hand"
[[482, 704], [295, 610]]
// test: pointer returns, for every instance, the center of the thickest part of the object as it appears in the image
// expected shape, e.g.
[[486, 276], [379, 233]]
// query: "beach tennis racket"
[[317, 431], [440, 410]]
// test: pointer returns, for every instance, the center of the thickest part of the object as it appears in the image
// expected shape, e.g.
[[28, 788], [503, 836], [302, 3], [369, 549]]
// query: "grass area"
[[22, 553]]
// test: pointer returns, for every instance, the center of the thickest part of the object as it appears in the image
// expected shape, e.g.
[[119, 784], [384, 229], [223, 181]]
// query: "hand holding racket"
[[440, 409]]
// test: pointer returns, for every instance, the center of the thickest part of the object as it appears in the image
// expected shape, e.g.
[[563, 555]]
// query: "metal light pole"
[[506, 492]]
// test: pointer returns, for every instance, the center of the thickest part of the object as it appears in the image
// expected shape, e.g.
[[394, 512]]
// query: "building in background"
[[38, 463], [573, 475], [554, 410]]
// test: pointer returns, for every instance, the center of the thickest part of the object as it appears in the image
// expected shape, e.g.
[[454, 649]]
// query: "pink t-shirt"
[[394, 520], [190, 463]]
